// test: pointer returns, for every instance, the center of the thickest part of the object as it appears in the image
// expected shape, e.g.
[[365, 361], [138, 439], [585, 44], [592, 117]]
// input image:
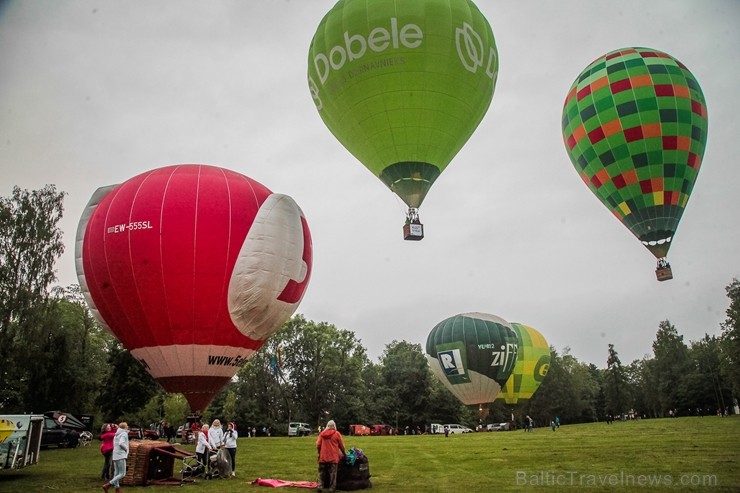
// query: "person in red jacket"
[[106, 448], [329, 444]]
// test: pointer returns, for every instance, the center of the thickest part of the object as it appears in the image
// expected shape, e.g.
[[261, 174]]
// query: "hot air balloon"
[[635, 127], [532, 363], [473, 355], [403, 86], [192, 268]]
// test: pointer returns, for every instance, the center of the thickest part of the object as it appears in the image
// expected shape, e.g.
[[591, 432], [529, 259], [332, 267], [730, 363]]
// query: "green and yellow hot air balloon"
[[403, 85], [473, 355], [532, 364], [635, 127]]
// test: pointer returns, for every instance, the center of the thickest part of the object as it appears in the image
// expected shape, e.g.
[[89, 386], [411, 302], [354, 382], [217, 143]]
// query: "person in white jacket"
[[203, 449], [216, 435], [120, 454]]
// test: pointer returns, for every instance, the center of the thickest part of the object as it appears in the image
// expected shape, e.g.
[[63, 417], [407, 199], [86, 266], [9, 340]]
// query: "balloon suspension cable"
[[663, 270]]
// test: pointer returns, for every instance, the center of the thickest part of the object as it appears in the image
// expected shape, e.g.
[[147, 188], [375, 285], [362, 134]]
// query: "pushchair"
[[219, 466]]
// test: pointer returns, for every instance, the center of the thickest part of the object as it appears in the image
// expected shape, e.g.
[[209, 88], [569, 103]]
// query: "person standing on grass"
[[329, 444], [119, 456], [106, 448], [230, 441], [216, 435], [203, 448]]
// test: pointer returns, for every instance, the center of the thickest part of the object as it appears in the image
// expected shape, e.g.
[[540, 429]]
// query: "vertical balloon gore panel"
[[168, 261]]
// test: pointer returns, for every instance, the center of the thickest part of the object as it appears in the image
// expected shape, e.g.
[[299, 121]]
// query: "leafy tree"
[[597, 376], [127, 388], [407, 381], [568, 392], [670, 368], [444, 407], [642, 380], [320, 374], [616, 389], [730, 341], [706, 384], [175, 409], [66, 359], [30, 243]]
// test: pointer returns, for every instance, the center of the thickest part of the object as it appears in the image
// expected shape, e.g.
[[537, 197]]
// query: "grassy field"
[[682, 454]]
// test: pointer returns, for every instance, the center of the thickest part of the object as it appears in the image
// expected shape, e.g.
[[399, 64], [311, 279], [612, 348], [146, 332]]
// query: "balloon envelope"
[[403, 85], [532, 364], [473, 355], [635, 127], [192, 268]]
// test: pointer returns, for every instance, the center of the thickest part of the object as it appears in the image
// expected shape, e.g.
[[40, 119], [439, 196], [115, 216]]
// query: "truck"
[[20, 440]]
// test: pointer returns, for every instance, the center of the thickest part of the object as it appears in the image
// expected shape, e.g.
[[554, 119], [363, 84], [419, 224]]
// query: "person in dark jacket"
[[329, 444]]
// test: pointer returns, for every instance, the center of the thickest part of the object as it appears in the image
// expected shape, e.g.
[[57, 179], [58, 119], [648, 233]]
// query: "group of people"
[[212, 438], [114, 447]]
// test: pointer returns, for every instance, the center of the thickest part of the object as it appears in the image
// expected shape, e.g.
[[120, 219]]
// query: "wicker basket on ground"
[[151, 462]]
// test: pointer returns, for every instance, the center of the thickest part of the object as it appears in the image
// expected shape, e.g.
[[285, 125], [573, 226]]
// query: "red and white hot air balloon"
[[192, 268]]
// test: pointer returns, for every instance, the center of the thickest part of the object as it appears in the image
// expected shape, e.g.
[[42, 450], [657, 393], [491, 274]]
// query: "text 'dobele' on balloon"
[[403, 86], [473, 355], [192, 267], [532, 365], [635, 127]]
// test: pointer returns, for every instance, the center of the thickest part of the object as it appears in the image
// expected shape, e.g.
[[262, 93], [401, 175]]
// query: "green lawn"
[[682, 454]]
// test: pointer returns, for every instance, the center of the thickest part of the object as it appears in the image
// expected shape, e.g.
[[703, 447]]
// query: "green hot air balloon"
[[473, 355], [635, 127], [532, 363], [403, 85]]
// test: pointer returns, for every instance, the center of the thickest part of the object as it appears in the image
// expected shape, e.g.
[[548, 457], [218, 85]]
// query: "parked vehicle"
[[297, 429], [456, 428], [140, 433], [436, 428], [359, 430], [499, 426], [381, 429], [61, 430]]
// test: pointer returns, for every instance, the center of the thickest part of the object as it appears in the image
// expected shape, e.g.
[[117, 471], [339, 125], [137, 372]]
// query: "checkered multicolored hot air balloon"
[[192, 268], [403, 85], [473, 355], [532, 364], [635, 127]]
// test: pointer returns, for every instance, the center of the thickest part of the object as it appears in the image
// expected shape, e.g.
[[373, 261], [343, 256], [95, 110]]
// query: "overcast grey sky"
[[95, 92]]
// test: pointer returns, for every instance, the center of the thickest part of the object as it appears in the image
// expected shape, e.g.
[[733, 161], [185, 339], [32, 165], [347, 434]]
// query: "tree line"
[[56, 356]]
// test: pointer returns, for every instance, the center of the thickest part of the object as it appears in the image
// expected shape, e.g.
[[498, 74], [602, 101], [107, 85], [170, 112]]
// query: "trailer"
[[20, 440]]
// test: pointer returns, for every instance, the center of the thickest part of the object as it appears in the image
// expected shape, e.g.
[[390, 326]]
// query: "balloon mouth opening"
[[410, 180]]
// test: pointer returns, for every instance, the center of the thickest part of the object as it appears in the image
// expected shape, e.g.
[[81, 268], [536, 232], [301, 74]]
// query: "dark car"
[[139, 433], [55, 434]]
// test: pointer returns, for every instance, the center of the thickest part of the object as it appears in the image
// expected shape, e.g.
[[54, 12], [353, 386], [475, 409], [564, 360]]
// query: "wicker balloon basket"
[[152, 462]]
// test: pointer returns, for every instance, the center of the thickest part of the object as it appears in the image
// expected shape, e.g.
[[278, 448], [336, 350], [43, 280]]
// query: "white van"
[[299, 429], [457, 428]]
